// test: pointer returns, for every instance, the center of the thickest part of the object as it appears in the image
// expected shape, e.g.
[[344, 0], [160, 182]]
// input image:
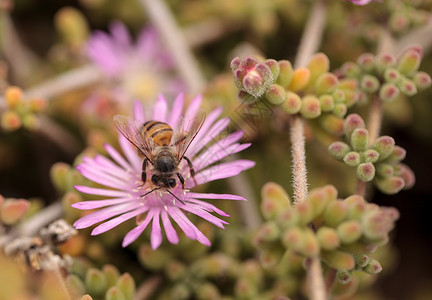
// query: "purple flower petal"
[[192, 111], [101, 192], [118, 158], [188, 227], [215, 196], [156, 234], [139, 111], [176, 111], [169, 229], [160, 109], [132, 235], [92, 204], [104, 227]]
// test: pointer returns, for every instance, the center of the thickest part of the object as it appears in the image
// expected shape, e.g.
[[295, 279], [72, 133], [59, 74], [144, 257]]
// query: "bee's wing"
[[185, 136], [132, 131]]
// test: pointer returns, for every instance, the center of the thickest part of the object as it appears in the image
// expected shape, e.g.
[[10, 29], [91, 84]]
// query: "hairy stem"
[[164, 21], [309, 44], [32, 226]]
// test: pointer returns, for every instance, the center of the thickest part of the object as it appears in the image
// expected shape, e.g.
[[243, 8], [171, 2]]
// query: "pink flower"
[[121, 178], [363, 2], [141, 70]]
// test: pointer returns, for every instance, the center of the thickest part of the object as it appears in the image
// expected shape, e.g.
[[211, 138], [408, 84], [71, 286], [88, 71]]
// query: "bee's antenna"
[[155, 189], [175, 197]]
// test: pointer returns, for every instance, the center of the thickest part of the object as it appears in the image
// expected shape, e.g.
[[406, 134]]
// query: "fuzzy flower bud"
[[299, 80], [385, 61], [359, 139], [378, 223], [267, 232], [407, 174], [338, 260], [369, 83], [274, 200], [366, 172], [352, 159], [96, 282], [112, 274], [10, 120], [328, 238], [343, 277], [340, 110], [349, 231], [410, 61], [326, 83], [285, 73], [352, 122], [407, 87], [332, 124], [373, 267], [126, 284], [422, 80], [361, 260], [311, 107], [392, 75], [251, 75], [13, 96], [388, 92], [370, 155], [274, 67], [114, 293], [318, 64], [390, 185], [326, 102], [384, 145], [275, 94], [338, 150], [351, 70], [366, 61], [292, 103], [311, 246], [335, 213], [385, 170]]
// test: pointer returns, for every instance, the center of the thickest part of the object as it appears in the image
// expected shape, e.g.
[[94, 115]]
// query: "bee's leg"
[[191, 168], [144, 173], [182, 181]]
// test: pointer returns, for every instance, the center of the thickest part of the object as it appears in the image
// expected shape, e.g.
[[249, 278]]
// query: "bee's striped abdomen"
[[159, 132]]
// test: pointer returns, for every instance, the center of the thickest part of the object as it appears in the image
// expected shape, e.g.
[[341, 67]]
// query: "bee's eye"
[[172, 183]]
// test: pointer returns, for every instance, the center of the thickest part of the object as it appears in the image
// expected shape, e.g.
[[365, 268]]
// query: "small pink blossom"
[[121, 179]]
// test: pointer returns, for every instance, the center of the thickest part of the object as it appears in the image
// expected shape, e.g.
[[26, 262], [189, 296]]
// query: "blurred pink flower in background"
[[121, 178], [363, 2]]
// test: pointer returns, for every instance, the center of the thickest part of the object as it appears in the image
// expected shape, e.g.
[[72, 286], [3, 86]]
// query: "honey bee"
[[162, 149]]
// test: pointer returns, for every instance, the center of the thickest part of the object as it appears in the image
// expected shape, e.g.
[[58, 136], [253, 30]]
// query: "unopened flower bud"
[[207, 290], [275, 94], [366, 61], [112, 274], [274, 67], [338, 150], [268, 232], [340, 110], [244, 289], [335, 213], [332, 124], [338, 260], [398, 22], [409, 62], [75, 285], [398, 154], [378, 223], [274, 200], [356, 206], [384, 145], [269, 257], [318, 64], [351, 70], [366, 172], [349, 231], [388, 92], [385, 61], [352, 122], [318, 200], [326, 83], [114, 293], [245, 97], [390, 185], [13, 96], [293, 237], [361, 260], [10, 121], [369, 83], [359, 139], [328, 238], [310, 108], [385, 170], [154, 260], [343, 277], [12, 210], [310, 246], [392, 75], [285, 73], [292, 104], [126, 285], [326, 102], [407, 174], [305, 212], [288, 218], [370, 155], [180, 291], [422, 80], [339, 96], [299, 80], [352, 159], [373, 267], [96, 282], [407, 87]]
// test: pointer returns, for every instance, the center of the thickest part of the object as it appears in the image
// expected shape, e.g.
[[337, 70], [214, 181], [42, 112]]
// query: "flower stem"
[[309, 44], [164, 21]]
